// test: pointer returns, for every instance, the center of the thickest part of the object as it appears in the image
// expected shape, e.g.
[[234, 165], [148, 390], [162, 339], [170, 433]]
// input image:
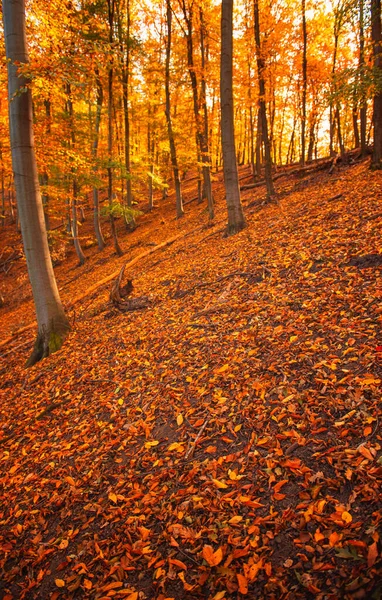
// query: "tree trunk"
[[377, 109], [262, 105], [304, 83], [258, 144], [202, 141], [52, 322], [236, 219], [363, 107], [124, 45], [111, 6], [174, 161], [150, 154], [44, 176], [203, 101], [74, 219], [96, 220]]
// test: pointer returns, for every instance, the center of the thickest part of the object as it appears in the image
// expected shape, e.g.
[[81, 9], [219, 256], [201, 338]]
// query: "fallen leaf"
[[243, 583], [211, 557]]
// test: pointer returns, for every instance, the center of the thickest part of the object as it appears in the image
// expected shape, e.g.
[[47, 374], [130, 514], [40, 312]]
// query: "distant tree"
[[262, 104], [52, 322], [174, 160], [236, 219]]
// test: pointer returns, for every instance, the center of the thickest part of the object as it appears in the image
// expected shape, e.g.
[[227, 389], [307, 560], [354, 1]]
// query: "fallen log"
[[307, 168], [102, 282], [119, 295]]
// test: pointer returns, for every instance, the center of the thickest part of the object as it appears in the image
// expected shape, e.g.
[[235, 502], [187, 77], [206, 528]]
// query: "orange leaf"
[[113, 497], [112, 586], [372, 554], [367, 431], [59, 583], [318, 536], [346, 517], [220, 484], [235, 520], [223, 368], [333, 539], [279, 485], [70, 480], [365, 452], [243, 583], [178, 563], [213, 558]]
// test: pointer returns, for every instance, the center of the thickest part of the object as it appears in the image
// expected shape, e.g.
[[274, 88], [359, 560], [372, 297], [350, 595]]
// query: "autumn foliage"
[[224, 441]]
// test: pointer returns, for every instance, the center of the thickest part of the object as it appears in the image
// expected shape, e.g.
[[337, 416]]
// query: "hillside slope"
[[224, 442]]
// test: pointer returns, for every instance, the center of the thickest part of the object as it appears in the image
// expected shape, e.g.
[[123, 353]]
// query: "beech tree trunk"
[[363, 108], [236, 219], [74, 219], [377, 112], [96, 221], [201, 128], [118, 249], [304, 83], [52, 322], [262, 105], [174, 161]]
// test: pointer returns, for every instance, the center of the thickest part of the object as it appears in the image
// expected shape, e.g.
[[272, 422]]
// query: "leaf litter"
[[223, 443]]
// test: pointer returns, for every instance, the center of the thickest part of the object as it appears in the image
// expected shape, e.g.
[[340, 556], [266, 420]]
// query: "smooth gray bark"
[[174, 161], [262, 104], [96, 219], [236, 219], [52, 322]]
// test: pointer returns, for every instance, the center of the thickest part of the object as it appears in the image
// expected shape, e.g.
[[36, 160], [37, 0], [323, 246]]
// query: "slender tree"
[[174, 161], [262, 105], [377, 112], [111, 22], [52, 322], [304, 82], [236, 219], [96, 220]]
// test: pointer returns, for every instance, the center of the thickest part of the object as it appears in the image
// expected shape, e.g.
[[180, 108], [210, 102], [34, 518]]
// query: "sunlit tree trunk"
[[206, 142], [174, 161], [150, 154], [44, 176], [96, 220], [304, 82], [377, 112], [363, 107], [52, 322], [236, 219], [111, 10], [262, 104], [74, 217], [202, 141]]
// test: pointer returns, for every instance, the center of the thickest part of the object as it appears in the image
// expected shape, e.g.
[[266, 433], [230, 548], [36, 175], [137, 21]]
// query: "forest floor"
[[224, 442]]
